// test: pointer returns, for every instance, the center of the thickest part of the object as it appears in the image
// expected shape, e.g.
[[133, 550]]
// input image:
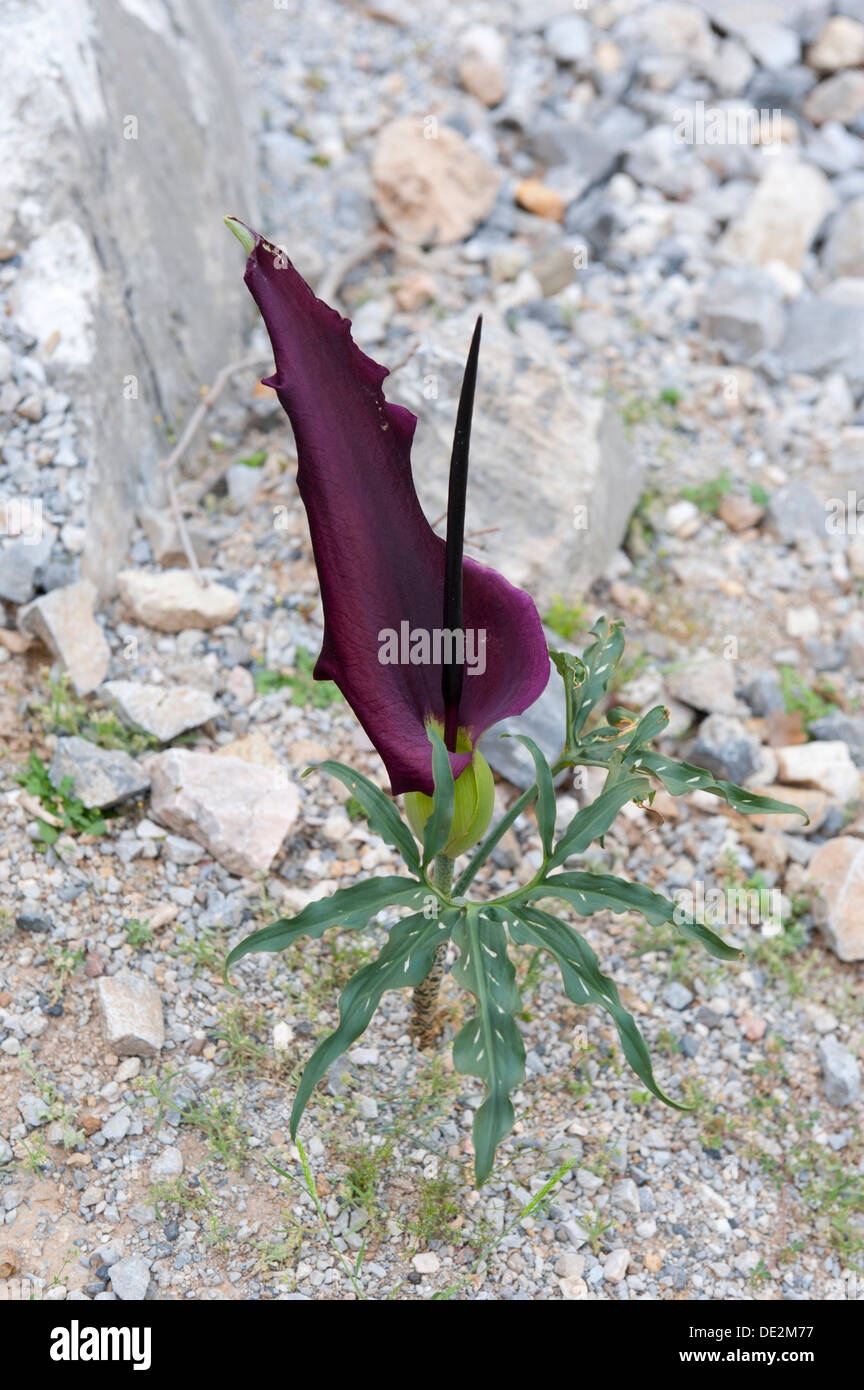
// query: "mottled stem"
[[424, 1023]]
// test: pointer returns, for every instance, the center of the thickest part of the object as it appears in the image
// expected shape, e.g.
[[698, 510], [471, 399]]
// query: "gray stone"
[[130, 1278], [586, 152], [843, 253], [5, 1152], [33, 1110], [567, 514], [658, 160], [118, 1126], [544, 722], [31, 921], [795, 513], [625, 1195], [708, 686], [841, 1072], [825, 335], [735, 16], [100, 776], [112, 213], [169, 1164], [243, 483], [742, 311], [164, 711], [676, 996], [848, 728], [20, 562], [726, 748], [131, 1009], [569, 39], [763, 694]]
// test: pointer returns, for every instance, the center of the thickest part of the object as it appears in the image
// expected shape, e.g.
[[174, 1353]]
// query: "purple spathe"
[[379, 562]]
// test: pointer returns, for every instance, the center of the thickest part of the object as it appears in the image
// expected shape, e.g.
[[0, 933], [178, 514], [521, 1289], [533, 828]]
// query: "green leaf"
[[382, 814], [545, 794], [404, 961], [347, 908], [648, 727], [490, 1045], [594, 820], [440, 822], [588, 893], [587, 680], [679, 778], [585, 983]]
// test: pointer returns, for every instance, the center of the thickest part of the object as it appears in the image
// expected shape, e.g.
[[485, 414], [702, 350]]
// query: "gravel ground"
[[166, 1171]]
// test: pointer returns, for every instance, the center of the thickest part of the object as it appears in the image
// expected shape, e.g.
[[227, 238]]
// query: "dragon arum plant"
[[380, 566]]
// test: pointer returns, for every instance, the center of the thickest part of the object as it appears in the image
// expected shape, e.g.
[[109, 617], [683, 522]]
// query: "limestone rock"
[[130, 1278], [64, 621], [567, 514], [430, 185], [837, 873], [742, 311], [839, 45], [131, 1008], [100, 776], [841, 1072], [826, 765], [482, 66], [173, 600], [838, 98], [164, 711], [21, 558], [844, 248], [239, 811], [789, 206], [122, 145], [708, 686]]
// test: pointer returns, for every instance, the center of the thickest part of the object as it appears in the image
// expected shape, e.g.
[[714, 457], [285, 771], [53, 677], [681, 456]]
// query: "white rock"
[[427, 1262], [825, 764], [173, 600], [789, 206], [837, 873], [283, 1036], [63, 619], [169, 1164], [131, 1006], [839, 45], [615, 1265], [573, 1290], [430, 185], [164, 711], [625, 1194], [803, 622], [239, 811]]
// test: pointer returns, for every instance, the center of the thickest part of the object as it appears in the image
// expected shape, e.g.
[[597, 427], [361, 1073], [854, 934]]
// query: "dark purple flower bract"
[[379, 562]]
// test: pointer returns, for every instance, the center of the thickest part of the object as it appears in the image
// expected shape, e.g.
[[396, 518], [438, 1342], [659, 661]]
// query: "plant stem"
[[424, 1023]]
